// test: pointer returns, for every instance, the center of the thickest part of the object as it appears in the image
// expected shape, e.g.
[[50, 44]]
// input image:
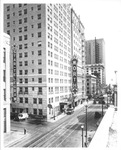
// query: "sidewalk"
[[112, 137], [13, 137]]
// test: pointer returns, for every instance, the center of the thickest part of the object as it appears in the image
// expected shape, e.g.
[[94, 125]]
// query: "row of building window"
[[21, 21], [26, 80], [26, 71], [21, 5], [26, 100]]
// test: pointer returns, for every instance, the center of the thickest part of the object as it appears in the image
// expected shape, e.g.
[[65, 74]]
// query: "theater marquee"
[[74, 75]]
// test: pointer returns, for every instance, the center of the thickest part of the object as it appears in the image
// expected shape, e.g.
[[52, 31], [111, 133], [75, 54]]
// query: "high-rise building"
[[41, 55], [95, 59], [6, 83]]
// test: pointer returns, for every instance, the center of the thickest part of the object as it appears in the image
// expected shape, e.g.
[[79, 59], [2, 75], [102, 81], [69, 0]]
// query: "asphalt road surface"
[[64, 133]]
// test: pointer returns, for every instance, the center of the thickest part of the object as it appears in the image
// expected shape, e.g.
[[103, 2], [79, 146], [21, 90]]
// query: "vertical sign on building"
[[74, 75], [14, 75]]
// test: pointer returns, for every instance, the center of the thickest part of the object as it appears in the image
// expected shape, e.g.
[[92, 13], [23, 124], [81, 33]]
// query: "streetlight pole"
[[102, 106], [86, 123], [115, 91], [82, 126]]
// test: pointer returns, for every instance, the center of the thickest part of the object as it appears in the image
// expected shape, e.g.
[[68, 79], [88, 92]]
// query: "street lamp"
[[86, 105], [102, 104], [82, 127], [115, 91]]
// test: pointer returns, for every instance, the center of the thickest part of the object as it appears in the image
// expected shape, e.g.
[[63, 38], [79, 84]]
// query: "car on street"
[[23, 116], [69, 111]]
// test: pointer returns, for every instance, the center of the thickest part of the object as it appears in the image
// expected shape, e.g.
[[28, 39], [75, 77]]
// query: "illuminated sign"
[[74, 75]]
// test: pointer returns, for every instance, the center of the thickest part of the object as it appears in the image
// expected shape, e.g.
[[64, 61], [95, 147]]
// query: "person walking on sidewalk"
[[24, 131]]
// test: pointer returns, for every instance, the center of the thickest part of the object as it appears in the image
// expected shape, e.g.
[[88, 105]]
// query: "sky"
[[101, 19]]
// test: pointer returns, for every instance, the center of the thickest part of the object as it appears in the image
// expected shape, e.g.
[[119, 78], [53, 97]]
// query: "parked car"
[[69, 111], [23, 116]]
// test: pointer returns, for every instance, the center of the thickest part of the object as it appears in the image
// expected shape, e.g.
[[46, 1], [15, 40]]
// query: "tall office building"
[[95, 59], [6, 83], [41, 56]]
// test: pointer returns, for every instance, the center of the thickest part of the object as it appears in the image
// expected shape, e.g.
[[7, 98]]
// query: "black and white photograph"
[[59, 78]]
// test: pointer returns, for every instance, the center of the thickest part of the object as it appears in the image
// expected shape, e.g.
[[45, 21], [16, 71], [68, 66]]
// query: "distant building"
[[44, 39], [91, 85], [95, 59], [6, 83]]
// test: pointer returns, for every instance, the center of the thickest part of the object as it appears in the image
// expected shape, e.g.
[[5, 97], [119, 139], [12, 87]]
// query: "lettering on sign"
[[74, 75]]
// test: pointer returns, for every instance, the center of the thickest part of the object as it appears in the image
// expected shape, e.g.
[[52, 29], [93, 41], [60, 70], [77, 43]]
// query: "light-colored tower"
[[42, 35]]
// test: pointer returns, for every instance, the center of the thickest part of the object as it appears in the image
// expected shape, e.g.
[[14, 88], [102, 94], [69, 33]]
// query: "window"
[[32, 88], [26, 90], [39, 52], [34, 100], [25, 28], [32, 79], [20, 55], [25, 37], [20, 5], [13, 13], [32, 52], [25, 54], [25, 11], [26, 72], [40, 111], [32, 61], [39, 71], [39, 34], [13, 22], [26, 100], [26, 80], [20, 30], [20, 72], [20, 80], [39, 90], [20, 13], [26, 63], [8, 8], [32, 43], [39, 43], [39, 61], [20, 21], [32, 17], [39, 80], [32, 35], [39, 16], [35, 111], [8, 32], [8, 24], [39, 7], [20, 63], [20, 38], [40, 100], [20, 46], [20, 90], [32, 70], [8, 16], [32, 26], [13, 30], [39, 25], [21, 99], [25, 46], [25, 20], [32, 8]]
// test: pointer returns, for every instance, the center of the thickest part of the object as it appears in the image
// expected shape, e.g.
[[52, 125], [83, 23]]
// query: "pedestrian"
[[24, 131]]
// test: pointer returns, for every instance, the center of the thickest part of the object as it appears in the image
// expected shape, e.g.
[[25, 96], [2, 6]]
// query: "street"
[[66, 132]]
